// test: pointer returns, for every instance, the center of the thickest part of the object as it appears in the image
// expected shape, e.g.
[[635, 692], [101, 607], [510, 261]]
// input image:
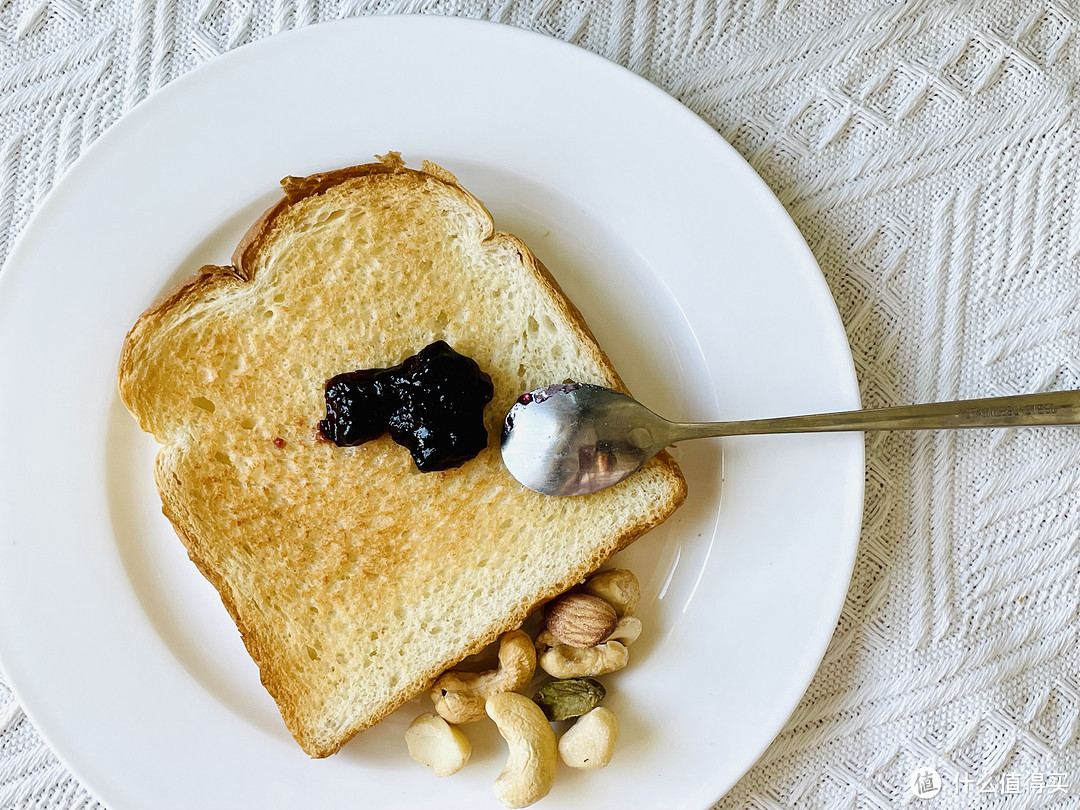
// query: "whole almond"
[[580, 619]]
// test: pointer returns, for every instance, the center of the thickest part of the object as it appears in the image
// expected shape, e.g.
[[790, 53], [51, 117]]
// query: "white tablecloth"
[[930, 153]]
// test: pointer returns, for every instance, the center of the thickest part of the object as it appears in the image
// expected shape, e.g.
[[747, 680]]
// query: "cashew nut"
[[564, 661], [618, 587], [434, 742], [627, 630], [530, 767], [590, 742], [459, 696]]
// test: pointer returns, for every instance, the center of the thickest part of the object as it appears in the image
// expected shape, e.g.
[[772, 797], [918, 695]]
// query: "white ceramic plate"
[[690, 273]]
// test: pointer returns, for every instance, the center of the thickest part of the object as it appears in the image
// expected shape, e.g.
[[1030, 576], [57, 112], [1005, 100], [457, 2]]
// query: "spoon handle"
[[1056, 408]]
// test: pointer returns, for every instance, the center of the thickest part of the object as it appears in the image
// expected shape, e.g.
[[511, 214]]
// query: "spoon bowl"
[[574, 438]]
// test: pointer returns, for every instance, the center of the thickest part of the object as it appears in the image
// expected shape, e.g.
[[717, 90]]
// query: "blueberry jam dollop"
[[431, 403]]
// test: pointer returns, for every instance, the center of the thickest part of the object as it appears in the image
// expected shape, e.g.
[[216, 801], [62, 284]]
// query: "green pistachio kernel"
[[572, 697]]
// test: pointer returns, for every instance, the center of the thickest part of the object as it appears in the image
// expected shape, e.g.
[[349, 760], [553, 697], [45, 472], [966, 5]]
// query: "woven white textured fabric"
[[930, 153]]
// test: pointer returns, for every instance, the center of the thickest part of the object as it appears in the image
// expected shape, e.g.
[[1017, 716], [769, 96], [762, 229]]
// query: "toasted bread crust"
[[209, 470]]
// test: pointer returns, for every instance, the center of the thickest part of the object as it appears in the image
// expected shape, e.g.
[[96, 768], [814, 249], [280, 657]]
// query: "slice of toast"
[[355, 579]]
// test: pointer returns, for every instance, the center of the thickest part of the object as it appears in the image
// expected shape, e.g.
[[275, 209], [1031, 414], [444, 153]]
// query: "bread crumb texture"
[[353, 578]]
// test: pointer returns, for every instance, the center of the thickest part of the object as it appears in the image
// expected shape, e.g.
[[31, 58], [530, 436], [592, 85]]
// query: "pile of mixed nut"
[[586, 633]]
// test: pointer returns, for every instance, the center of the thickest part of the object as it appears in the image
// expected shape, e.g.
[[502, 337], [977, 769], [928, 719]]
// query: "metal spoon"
[[573, 439]]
